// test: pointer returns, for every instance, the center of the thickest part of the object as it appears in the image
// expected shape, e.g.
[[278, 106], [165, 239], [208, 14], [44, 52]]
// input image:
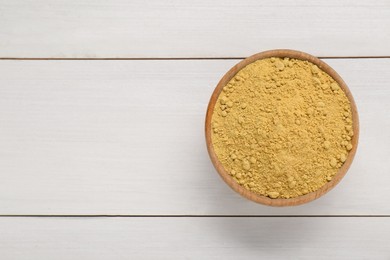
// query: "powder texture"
[[282, 127]]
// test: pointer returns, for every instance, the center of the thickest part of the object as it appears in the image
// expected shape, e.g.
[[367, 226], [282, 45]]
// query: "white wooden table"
[[102, 151]]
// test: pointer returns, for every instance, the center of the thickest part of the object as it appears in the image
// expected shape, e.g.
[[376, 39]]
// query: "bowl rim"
[[281, 53]]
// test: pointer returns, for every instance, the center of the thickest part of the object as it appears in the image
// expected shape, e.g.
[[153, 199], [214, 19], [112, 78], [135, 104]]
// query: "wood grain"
[[135, 29], [126, 137], [219, 166], [194, 238]]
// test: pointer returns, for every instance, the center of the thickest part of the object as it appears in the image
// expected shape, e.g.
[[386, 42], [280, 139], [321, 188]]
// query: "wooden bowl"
[[263, 199]]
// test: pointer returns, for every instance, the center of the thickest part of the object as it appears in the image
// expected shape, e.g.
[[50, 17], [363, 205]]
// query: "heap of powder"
[[282, 127]]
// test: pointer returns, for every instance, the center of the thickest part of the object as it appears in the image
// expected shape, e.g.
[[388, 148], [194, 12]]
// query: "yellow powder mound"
[[282, 127]]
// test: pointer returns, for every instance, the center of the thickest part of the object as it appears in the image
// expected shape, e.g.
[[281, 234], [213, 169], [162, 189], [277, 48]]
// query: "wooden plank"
[[127, 137], [128, 29], [194, 238]]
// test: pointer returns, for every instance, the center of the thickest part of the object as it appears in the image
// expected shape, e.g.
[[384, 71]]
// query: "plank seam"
[[189, 216], [188, 58]]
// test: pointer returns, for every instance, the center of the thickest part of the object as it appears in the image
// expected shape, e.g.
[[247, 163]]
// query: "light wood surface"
[[194, 238], [89, 138], [231, 181], [177, 28], [84, 137]]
